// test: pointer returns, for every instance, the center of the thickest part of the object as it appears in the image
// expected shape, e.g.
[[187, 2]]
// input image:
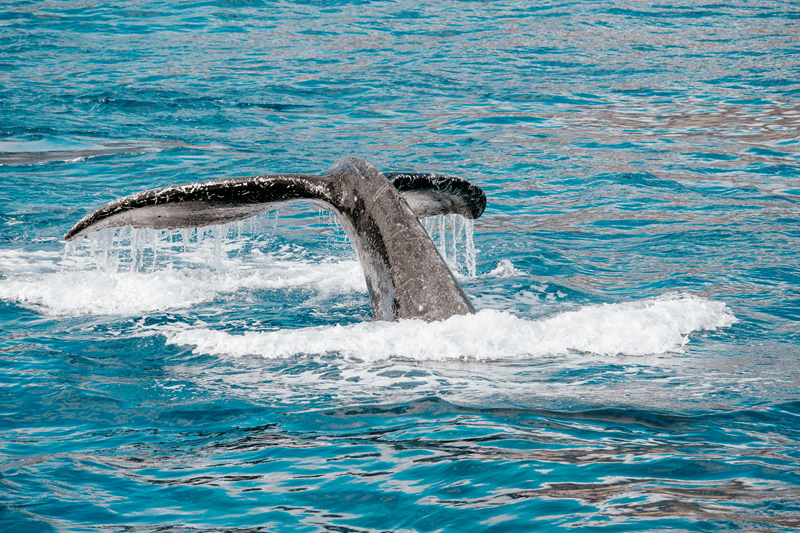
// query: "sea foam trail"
[[653, 326]]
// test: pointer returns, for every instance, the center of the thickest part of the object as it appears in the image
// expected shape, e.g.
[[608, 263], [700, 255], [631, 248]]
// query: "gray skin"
[[406, 277]]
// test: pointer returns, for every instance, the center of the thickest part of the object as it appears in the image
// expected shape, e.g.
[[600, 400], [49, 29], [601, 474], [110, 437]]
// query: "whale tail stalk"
[[406, 277]]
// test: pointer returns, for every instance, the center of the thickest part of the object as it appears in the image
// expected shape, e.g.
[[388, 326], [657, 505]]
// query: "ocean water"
[[633, 364]]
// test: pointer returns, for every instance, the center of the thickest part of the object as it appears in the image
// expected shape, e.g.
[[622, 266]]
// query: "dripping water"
[[336, 237], [211, 247], [127, 249], [453, 237]]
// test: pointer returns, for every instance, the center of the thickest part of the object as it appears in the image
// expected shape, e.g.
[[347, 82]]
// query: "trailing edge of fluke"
[[406, 276]]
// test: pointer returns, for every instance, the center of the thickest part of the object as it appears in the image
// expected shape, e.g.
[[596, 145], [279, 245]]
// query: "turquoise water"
[[633, 365]]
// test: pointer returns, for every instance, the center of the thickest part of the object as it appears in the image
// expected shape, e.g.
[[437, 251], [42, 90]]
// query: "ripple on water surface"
[[633, 364]]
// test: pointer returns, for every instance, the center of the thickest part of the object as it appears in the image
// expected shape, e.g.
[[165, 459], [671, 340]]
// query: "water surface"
[[633, 365]]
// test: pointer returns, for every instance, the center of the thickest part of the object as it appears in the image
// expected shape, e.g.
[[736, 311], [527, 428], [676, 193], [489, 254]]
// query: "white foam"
[[15, 262], [504, 269], [40, 281], [654, 326], [131, 272], [99, 292], [135, 273]]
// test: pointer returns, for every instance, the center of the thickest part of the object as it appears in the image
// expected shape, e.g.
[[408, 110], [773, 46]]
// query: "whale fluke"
[[435, 194], [406, 277]]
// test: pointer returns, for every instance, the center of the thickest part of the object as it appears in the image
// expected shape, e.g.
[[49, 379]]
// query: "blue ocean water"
[[633, 365]]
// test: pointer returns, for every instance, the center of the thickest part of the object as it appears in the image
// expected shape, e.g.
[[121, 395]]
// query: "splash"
[[134, 271], [504, 269], [654, 326], [97, 291], [147, 250]]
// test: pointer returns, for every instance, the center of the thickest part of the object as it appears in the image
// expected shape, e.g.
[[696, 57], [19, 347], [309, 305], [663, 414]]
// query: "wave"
[[98, 283], [653, 326]]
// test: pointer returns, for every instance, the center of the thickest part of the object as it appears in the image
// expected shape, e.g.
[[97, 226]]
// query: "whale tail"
[[406, 277]]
